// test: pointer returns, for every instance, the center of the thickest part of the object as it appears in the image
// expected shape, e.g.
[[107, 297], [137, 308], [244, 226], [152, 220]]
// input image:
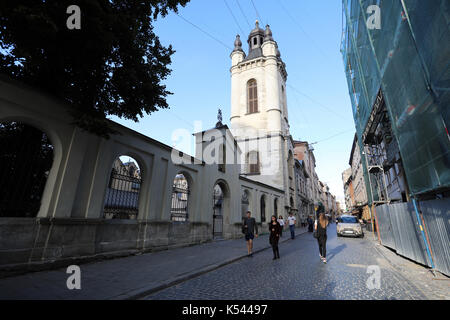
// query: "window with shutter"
[[252, 96]]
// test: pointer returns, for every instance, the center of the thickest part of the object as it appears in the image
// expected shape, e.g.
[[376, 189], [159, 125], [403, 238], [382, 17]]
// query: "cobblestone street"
[[300, 274]]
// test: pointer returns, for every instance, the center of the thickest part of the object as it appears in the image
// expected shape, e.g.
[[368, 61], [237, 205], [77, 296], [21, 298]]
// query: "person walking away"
[[281, 222], [251, 231], [274, 229], [310, 224], [321, 227], [291, 220]]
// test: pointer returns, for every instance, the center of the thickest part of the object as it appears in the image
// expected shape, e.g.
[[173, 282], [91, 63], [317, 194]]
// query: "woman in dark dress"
[[275, 231]]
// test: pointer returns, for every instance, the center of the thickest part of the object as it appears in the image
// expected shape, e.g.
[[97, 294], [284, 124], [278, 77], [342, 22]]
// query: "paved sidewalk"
[[435, 286], [135, 276]]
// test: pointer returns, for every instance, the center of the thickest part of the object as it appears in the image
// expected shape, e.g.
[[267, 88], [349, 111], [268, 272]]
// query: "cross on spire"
[[219, 118]]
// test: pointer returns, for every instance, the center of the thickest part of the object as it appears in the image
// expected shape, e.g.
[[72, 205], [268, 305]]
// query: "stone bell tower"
[[259, 116]]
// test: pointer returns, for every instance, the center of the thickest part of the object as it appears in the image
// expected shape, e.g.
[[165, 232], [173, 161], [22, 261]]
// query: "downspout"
[[423, 233], [377, 224]]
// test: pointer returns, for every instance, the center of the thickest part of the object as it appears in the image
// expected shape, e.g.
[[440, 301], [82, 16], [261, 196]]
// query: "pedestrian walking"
[[274, 229], [281, 222], [320, 227], [250, 229], [291, 220], [310, 224]]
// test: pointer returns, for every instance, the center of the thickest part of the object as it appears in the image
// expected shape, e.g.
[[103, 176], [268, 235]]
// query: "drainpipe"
[[376, 221], [371, 221], [423, 233]]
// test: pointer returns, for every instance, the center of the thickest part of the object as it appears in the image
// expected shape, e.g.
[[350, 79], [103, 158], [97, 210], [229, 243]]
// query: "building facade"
[[305, 153], [359, 199], [397, 76], [348, 189]]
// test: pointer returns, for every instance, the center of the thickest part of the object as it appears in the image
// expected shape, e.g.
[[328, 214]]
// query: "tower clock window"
[[252, 96]]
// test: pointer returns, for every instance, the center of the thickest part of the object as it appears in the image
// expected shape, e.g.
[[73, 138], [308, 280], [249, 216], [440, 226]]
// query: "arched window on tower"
[[252, 96]]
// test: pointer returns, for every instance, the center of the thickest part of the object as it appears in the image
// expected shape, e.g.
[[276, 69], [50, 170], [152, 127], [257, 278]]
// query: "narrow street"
[[300, 274]]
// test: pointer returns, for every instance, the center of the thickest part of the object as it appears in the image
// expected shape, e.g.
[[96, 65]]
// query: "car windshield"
[[348, 220]]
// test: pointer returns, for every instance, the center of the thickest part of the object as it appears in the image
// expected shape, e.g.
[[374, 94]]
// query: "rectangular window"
[[252, 96], [253, 161]]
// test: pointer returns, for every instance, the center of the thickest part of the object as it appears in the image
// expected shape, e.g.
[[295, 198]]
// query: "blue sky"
[[308, 33]]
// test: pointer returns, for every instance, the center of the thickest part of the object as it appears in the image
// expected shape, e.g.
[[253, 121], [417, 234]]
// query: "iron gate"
[[180, 197], [217, 213], [122, 197]]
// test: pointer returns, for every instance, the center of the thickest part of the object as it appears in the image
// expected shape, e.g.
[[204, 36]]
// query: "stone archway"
[[25, 164], [220, 208], [123, 189]]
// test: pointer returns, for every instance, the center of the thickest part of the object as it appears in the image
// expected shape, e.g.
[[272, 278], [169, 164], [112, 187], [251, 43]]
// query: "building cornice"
[[241, 177]]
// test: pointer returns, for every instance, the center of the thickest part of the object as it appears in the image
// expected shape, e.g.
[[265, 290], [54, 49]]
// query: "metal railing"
[[179, 208], [122, 197]]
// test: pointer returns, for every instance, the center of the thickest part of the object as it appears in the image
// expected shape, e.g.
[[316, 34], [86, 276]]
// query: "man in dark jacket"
[[251, 231], [310, 224]]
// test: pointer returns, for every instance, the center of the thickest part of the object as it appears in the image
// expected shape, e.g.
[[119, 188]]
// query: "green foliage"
[[113, 65]]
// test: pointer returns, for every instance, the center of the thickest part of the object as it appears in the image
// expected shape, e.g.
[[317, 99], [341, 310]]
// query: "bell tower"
[[259, 117]]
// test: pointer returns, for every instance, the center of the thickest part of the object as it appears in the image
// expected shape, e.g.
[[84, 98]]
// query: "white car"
[[348, 225]]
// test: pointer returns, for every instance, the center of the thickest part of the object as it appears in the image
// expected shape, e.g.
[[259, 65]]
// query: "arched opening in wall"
[[291, 202], [180, 198], [26, 158], [245, 203], [124, 186], [263, 209], [220, 208]]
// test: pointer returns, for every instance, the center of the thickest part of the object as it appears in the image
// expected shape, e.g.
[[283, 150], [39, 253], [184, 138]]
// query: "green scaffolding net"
[[408, 58]]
